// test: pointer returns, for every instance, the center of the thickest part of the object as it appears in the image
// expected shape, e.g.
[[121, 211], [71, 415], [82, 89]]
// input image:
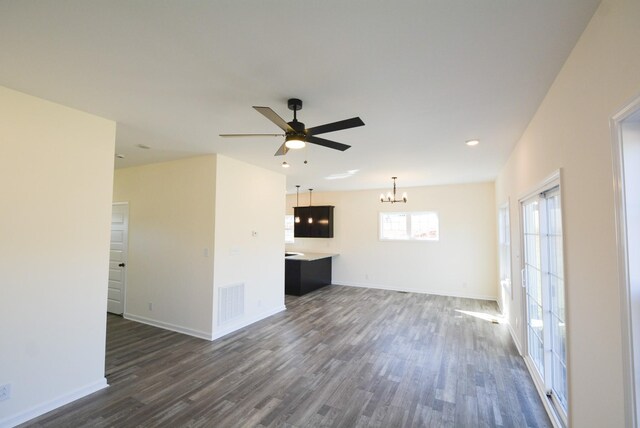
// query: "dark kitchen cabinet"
[[302, 276], [320, 226]]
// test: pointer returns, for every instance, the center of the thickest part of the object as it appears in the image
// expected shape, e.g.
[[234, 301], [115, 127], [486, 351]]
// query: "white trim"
[[413, 290], [509, 262], [202, 334], [247, 321], [408, 214], [169, 326], [622, 255], [50, 405], [553, 178]]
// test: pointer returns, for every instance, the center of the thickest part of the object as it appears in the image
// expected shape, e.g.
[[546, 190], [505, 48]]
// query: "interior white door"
[[118, 257]]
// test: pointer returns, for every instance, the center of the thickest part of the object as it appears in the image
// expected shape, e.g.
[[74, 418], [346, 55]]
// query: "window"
[[505, 252], [543, 279], [288, 229], [411, 226]]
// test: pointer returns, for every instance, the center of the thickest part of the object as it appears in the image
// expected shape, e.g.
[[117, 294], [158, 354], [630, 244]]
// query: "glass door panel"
[[543, 275], [533, 281], [556, 297]]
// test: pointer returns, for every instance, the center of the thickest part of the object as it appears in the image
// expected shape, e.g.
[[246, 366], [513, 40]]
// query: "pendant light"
[[310, 219], [392, 198], [297, 218]]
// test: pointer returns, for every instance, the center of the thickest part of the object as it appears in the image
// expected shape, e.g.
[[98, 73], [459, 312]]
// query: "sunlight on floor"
[[498, 319]]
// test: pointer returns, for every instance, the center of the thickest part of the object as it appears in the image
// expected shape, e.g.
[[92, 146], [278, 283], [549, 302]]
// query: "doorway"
[[543, 279], [504, 243], [625, 127], [118, 258]]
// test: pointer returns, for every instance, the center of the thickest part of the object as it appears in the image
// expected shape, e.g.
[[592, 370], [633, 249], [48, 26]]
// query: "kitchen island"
[[306, 272]]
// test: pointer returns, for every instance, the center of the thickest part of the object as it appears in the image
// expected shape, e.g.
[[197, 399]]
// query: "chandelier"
[[392, 198]]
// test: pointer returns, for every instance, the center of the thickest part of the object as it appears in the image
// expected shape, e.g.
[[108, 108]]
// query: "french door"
[[504, 243], [543, 279]]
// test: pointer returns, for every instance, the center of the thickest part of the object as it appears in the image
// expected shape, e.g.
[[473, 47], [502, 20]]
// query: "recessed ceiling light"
[[119, 155], [285, 165], [144, 146], [472, 142]]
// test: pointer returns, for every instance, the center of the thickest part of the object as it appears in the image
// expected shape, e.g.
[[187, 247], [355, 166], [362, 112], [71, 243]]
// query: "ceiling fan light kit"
[[296, 135], [294, 142], [392, 197]]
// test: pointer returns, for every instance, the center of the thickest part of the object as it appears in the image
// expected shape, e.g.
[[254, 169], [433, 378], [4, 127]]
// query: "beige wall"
[[462, 263], [171, 242], [249, 238], [570, 131], [190, 232], [56, 172]]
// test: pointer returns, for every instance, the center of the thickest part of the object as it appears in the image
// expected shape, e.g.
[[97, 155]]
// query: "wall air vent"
[[230, 303]]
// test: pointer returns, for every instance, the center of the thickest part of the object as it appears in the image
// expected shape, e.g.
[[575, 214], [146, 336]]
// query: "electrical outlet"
[[150, 306], [5, 391]]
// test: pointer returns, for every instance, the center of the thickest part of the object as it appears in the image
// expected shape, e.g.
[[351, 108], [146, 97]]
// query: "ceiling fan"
[[296, 135]]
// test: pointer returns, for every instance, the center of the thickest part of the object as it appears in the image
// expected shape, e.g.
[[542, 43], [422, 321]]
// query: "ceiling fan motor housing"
[[298, 127]]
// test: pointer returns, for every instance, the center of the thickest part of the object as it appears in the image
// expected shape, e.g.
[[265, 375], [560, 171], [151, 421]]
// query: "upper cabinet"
[[313, 222]]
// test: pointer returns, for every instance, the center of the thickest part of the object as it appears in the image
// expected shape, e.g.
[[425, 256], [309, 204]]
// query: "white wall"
[[249, 199], [56, 172], [171, 242], [571, 131], [190, 231], [462, 263]]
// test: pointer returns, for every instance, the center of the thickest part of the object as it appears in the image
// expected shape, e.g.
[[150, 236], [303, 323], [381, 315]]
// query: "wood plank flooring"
[[338, 357]]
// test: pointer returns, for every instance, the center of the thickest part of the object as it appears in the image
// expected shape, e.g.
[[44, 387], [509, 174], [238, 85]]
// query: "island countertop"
[[309, 257]]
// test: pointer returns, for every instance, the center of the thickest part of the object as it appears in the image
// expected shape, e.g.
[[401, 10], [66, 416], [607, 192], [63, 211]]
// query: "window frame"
[[544, 381], [409, 237], [293, 238], [504, 248]]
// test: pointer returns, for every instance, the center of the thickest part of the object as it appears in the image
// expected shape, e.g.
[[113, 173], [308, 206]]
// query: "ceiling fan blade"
[[336, 126], [282, 150], [251, 135], [273, 117], [326, 143]]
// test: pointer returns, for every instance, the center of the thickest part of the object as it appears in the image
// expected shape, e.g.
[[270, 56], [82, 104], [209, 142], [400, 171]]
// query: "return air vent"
[[230, 303]]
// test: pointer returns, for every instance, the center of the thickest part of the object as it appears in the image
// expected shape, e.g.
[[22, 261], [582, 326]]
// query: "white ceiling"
[[423, 75]]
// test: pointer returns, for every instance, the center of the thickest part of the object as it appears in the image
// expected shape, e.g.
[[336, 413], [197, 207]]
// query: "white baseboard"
[[514, 337], [50, 405], [412, 290], [227, 329], [169, 326]]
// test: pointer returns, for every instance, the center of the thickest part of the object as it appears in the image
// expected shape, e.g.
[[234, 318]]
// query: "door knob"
[[122, 265]]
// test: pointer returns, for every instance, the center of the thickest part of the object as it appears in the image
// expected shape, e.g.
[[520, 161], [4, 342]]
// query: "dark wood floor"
[[340, 356]]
